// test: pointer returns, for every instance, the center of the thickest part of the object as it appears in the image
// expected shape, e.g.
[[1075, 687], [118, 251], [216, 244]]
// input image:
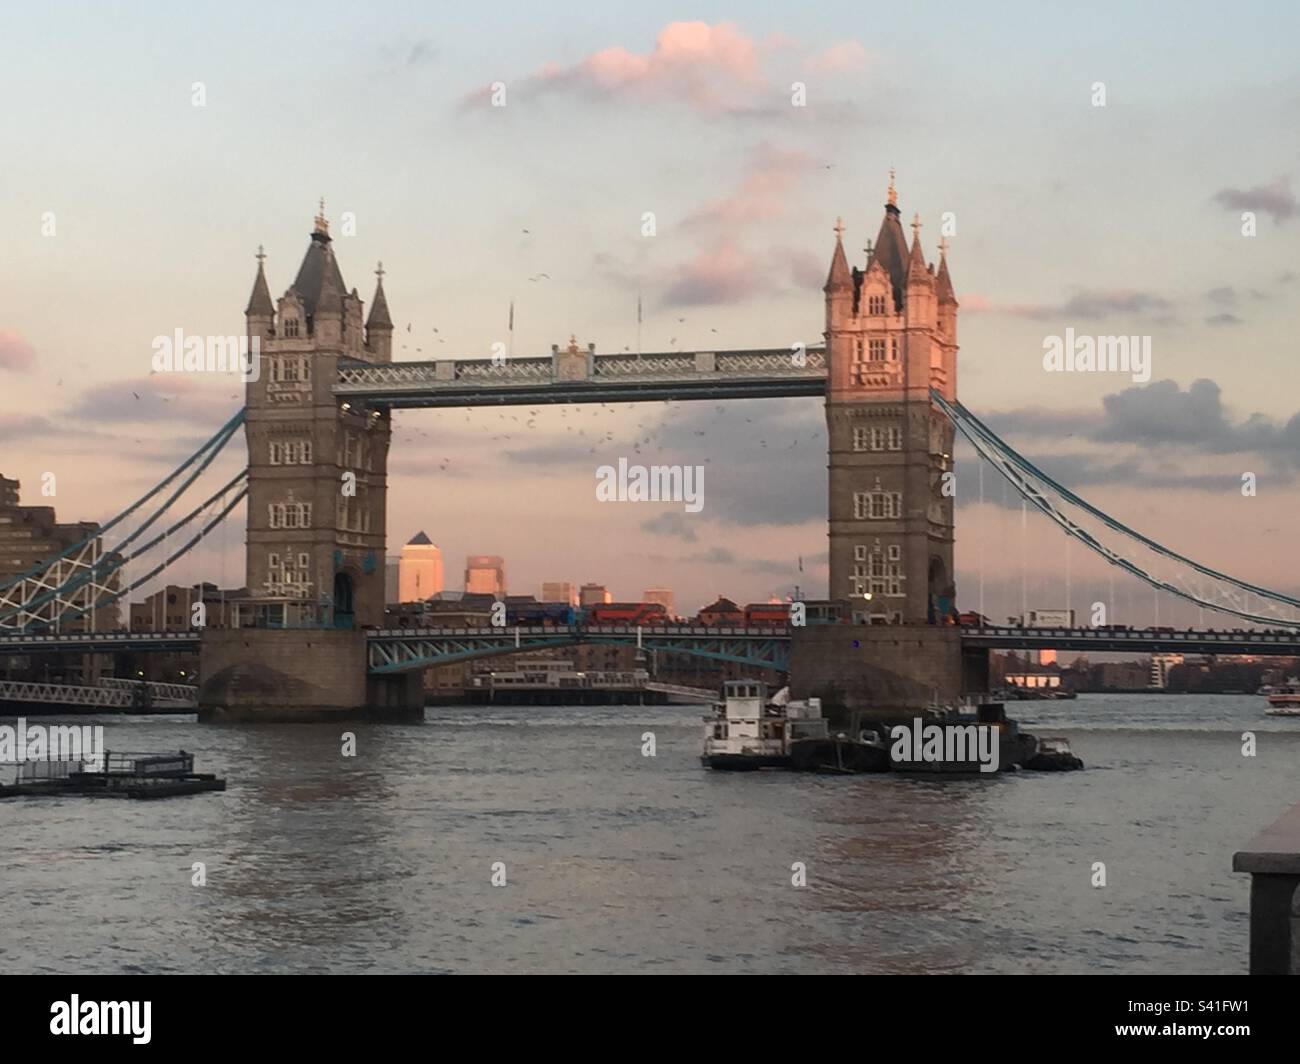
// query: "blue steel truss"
[[404, 651]]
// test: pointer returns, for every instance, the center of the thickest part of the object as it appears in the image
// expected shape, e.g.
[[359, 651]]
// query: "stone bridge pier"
[[883, 672], [299, 675]]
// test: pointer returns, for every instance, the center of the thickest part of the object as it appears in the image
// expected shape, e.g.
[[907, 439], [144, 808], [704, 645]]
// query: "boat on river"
[[1284, 699], [110, 775], [748, 731]]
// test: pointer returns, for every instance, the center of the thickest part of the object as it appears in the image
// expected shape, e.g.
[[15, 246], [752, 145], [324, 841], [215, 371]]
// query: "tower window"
[[877, 352], [878, 438], [877, 505], [290, 370], [290, 326], [875, 304], [893, 348]]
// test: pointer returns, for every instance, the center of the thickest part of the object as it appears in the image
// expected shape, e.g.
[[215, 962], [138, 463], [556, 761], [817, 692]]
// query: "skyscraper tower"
[[315, 533], [891, 336]]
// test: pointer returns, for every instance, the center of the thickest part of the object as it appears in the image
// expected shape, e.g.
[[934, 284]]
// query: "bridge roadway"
[[575, 376], [1137, 640], [398, 650]]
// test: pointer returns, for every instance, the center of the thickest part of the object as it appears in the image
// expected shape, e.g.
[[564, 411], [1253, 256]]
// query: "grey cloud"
[[1275, 199]]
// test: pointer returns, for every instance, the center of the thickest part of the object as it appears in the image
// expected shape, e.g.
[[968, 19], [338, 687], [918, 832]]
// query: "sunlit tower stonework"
[[315, 536], [891, 336]]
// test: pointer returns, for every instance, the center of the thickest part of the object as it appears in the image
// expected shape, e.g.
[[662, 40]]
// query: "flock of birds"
[[576, 422]]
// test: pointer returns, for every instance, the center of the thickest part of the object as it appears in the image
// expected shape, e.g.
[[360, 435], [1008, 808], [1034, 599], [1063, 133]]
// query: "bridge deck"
[[592, 378], [1137, 641]]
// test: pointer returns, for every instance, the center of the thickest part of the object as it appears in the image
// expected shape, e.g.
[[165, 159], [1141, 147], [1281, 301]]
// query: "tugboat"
[[1284, 700], [749, 731]]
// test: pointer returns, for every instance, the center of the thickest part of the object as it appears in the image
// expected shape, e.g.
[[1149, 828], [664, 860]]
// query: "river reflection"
[[383, 862]]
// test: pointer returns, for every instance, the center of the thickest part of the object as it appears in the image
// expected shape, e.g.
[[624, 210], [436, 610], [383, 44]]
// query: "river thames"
[[617, 862]]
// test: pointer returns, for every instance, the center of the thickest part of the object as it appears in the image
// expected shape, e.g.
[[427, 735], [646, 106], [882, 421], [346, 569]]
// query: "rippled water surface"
[[618, 862]]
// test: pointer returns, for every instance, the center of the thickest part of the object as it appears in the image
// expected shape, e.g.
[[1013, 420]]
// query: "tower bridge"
[[308, 642]]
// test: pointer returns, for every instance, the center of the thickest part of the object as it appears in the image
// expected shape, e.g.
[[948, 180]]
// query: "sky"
[[1122, 218]]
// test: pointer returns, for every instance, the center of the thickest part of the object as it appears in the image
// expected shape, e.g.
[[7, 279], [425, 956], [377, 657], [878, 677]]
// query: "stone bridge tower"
[[891, 336], [317, 468]]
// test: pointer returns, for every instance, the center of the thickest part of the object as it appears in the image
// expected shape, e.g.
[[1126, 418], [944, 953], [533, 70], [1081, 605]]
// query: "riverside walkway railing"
[[1273, 860]]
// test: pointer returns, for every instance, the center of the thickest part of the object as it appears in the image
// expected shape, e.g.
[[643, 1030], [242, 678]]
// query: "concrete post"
[[1273, 860]]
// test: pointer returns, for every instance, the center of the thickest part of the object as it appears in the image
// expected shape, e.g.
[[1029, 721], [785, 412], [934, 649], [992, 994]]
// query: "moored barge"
[[112, 775]]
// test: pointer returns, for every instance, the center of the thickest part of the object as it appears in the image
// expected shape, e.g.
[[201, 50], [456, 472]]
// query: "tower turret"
[[260, 312], [920, 284], [379, 326]]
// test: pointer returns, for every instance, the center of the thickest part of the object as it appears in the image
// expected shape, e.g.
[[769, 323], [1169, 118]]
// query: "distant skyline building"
[[594, 595], [419, 569], [1161, 666], [663, 596], [485, 574], [392, 578], [560, 591]]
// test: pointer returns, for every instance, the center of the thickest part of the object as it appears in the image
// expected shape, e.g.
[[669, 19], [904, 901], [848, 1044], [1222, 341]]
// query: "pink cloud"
[[722, 273], [764, 192], [16, 353], [845, 56], [713, 68]]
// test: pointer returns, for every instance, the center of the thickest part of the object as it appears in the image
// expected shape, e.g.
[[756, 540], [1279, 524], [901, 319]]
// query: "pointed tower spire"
[[379, 325], [331, 291], [917, 262], [379, 305], [889, 251], [259, 303], [943, 287], [839, 276]]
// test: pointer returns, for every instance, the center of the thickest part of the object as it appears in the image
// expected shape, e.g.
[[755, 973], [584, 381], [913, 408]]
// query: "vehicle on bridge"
[[547, 614], [629, 613], [767, 614]]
